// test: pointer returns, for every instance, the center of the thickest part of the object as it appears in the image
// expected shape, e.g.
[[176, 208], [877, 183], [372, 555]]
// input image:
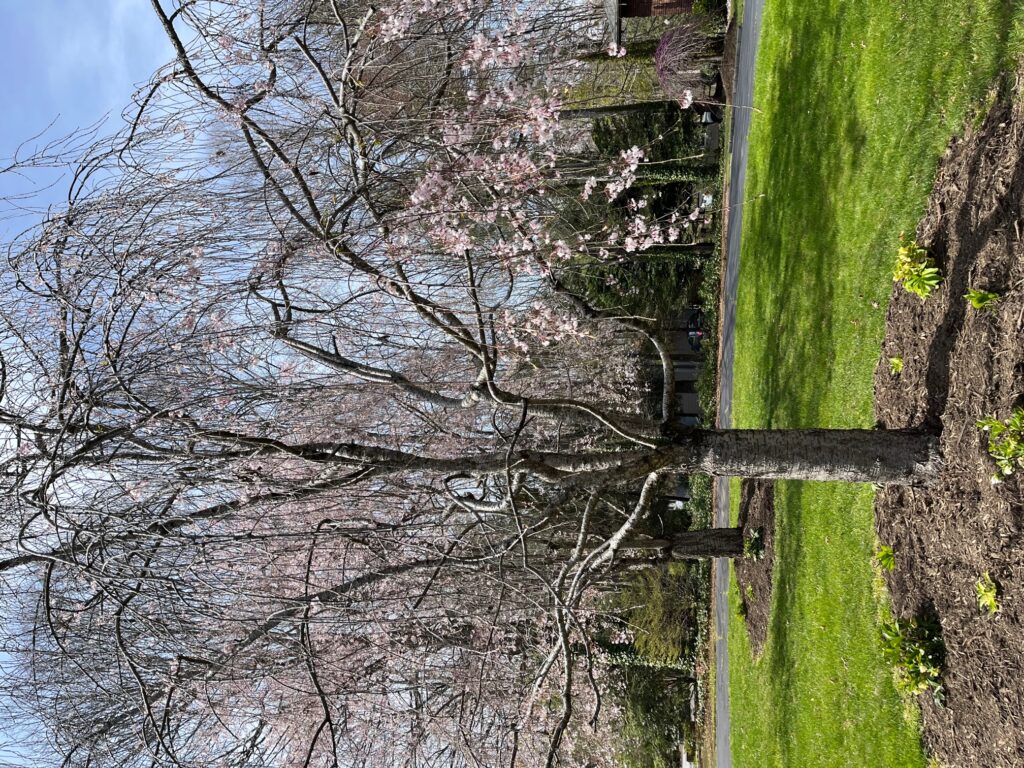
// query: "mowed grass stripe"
[[859, 99]]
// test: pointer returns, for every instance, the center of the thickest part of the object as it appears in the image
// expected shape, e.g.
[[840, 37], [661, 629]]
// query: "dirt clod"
[[754, 576]]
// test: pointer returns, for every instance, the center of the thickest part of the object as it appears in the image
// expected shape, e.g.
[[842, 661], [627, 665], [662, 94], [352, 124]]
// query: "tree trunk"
[[709, 542], [688, 545], [685, 172], [885, 457], [637, 49], [636, 107], [650, 175], [677, 251]]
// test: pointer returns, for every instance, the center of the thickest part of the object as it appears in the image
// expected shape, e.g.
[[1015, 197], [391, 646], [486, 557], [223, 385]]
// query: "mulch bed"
[[754, 577], [727, 69], [962, 364]]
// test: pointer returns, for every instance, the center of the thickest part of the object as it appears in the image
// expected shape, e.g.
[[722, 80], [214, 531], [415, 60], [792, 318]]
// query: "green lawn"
[[860, 97]]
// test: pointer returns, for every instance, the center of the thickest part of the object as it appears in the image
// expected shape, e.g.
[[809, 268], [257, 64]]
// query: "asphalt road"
[[750, 30]]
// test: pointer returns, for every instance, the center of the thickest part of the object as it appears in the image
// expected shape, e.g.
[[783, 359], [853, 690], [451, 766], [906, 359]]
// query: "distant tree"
[[684, 55]]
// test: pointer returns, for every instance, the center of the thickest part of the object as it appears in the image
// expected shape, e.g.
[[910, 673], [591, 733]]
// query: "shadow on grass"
[[800, 279], [820, 142], [780, 649], [860, 102]]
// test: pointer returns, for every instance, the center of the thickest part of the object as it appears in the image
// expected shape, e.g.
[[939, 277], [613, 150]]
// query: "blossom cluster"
[[541, 324], [399, 17]]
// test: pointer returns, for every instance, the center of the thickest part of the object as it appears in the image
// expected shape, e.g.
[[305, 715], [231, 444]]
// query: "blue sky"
[[70, 60], [73, 61]]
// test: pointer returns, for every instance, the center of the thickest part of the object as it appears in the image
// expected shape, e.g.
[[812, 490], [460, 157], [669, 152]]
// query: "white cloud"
[[78, 60], [98, 52]]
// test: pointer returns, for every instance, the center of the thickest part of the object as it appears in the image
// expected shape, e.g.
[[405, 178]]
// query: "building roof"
[[613, 12]]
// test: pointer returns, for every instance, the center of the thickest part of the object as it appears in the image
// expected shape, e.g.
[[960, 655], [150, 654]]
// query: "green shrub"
[[988, 594], [659, 605], [895, 365], [915, 269], [1005, 442], [980, 299], [655, 713], [886, 558], [915, 649], [701, 510], [753, 544]]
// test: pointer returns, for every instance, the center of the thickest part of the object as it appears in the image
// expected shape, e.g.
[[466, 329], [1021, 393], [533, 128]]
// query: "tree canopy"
[[309, 456]]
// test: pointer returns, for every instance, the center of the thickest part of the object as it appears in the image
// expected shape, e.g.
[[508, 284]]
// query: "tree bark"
[[897, 457], [884, 457], [677, 251], [636, 107], [688, 545], [709, 542]]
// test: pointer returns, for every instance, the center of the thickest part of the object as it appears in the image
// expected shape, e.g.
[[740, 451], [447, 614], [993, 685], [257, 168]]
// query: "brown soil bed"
[[754, 577], [961, 364], [727, 69]]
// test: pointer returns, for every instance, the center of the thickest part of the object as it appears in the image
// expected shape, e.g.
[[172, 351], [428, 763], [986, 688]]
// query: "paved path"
[[750, 30]]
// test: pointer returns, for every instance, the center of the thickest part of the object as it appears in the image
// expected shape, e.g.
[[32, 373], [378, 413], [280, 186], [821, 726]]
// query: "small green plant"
[[753, 545], [895, 365], [915, 269], [743, 608], [886, 558], [980, 299], [988, 594], [1005, 442], [915, 649]]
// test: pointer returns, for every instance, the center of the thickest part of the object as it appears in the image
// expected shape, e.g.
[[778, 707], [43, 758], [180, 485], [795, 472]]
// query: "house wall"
[[686, 367], [643, 8]]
